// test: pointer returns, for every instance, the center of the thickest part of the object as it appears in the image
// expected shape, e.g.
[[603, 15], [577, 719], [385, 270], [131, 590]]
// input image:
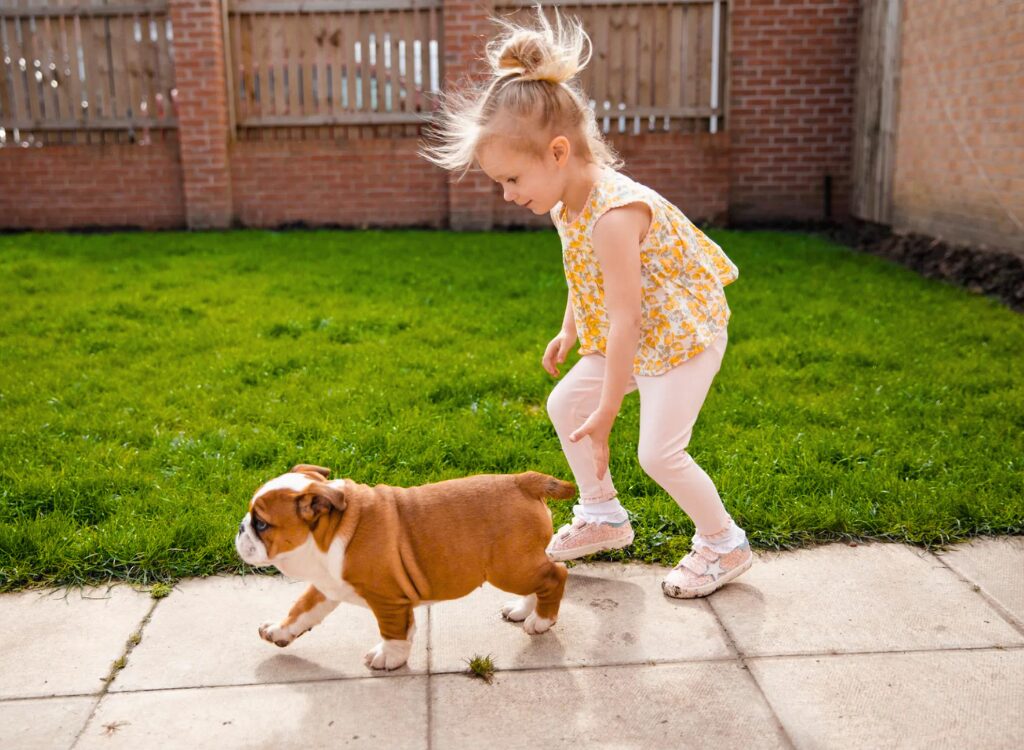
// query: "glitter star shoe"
[[704, 571], [581, 538]]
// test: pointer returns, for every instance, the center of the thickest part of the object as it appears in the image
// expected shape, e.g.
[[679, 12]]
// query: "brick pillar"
[[202, 108], [466, 30]]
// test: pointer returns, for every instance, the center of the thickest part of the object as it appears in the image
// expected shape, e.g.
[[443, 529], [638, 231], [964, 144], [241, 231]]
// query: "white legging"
[[669, 405]]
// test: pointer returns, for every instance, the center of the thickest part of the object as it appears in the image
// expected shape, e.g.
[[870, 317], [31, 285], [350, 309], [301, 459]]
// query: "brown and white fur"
[[393, 548]]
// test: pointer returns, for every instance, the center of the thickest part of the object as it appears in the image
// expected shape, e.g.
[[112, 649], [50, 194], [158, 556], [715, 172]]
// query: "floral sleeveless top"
[[682, 276]]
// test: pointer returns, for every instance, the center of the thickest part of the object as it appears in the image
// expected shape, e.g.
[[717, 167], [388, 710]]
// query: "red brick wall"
[[959, 172], [61, 187], [363, 182], [788, 123], [791, 99], [202, 108], [466, 28]]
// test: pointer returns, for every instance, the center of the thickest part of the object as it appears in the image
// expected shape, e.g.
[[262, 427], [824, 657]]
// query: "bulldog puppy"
[[394, 548]]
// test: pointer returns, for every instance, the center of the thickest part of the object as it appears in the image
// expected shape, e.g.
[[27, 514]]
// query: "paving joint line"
[[133, 640], [742, 659], [979, 589]]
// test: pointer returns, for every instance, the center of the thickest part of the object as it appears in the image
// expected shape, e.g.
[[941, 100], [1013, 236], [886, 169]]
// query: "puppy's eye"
[[260, 524]]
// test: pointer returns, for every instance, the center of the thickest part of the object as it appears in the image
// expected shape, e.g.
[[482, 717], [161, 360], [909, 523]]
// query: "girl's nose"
[[508, 195]]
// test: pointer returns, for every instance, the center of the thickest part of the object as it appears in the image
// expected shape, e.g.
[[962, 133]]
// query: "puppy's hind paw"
[[388, 655], [520, 609], [535, 625]]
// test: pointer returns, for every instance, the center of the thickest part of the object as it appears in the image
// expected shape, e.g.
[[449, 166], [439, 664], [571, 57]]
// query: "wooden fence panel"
[[348, 62], [72, 66], [653, 62]]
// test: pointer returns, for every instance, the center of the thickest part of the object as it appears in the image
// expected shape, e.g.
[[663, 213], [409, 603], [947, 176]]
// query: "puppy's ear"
[[311, 469], [319, 499]]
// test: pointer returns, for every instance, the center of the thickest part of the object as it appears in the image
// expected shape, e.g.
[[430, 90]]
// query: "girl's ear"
[[560, 149]]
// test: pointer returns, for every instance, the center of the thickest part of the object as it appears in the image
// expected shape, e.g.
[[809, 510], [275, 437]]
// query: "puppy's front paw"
[[535, 625], [519, 610], [274, 634], [388, 655]]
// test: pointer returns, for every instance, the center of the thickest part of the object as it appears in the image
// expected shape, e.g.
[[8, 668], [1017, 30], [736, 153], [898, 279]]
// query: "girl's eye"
[[260, 524], [512, 180]]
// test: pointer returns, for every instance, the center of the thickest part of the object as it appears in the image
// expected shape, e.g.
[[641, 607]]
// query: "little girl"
[[646, 298]]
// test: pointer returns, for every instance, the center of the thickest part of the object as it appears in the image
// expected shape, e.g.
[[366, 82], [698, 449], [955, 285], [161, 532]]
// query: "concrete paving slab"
[[997, 566], [611, 614], [924, 700], [363, 713], [64, 642], [205, 634], [43, 723], [706, 705], [842, 599]]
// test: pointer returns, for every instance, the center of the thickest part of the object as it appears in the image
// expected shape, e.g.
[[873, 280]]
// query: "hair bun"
[[524, 54], [545, 53]]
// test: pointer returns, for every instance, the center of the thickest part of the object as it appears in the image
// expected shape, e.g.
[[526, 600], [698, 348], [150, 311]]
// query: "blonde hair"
[[534, 75]]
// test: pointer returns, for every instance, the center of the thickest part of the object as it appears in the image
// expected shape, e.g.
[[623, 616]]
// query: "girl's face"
[[532, 182]]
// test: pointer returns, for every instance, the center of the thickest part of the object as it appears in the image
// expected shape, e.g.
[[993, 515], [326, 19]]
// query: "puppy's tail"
[[540, 486]]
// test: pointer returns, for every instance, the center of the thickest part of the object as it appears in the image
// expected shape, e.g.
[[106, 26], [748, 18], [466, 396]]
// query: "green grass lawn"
[[150, 382]]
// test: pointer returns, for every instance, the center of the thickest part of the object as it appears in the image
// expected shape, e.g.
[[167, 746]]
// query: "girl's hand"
[[599, 427], [556, 352]]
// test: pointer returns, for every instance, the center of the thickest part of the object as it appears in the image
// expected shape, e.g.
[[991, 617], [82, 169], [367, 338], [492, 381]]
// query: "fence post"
[[202, 110], [466, 28]]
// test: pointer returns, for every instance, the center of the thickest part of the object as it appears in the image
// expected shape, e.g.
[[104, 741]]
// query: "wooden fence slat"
[[34, 107], [278, 62], [306, 40], [378, 56], [346, 61], [70, 83], [8, 97], [675, 58], [659, 54], [369, 39], [321, 90], [293, 81], [704, 56], [129, 76], [421, 60], [433, 25], [111, 27], [98, 67], [262, 65], [50, 55], [602, 66], [691, 62], [87, 105], [362, 64], [645, 55], [383, 71], [165, 70], [392, 22], [408, 96]]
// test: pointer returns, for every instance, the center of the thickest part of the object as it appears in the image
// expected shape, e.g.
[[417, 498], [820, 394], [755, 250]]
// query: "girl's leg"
[[669, 406], [570, 403], [600, 522]]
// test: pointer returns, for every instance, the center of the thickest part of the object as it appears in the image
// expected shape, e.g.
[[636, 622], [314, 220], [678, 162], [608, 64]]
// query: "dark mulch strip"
[[995, 273]]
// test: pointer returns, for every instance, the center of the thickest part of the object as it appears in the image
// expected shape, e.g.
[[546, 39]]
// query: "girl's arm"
[[569, 320], [558, 348], [617, 238]]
